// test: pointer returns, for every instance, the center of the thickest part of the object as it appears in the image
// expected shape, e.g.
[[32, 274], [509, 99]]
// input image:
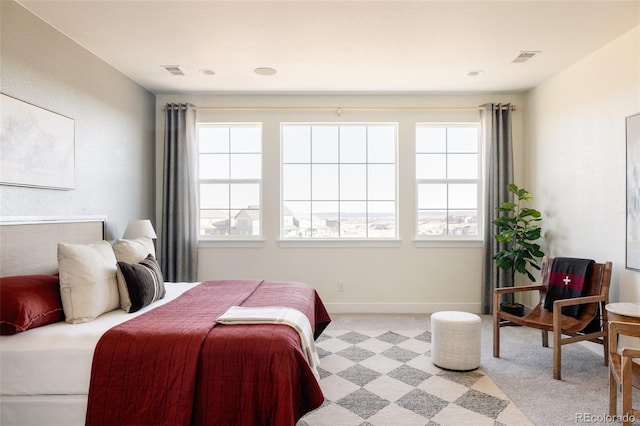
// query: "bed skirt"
[[43, 410]]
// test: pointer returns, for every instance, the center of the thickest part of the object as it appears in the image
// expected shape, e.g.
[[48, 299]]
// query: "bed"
[[151, 366]]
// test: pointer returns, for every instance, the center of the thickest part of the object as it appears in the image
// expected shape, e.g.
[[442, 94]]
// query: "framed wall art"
[[37, 146], [633, 192]]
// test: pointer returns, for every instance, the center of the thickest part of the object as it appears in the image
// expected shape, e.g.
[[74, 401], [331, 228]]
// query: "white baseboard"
[[400, 308]]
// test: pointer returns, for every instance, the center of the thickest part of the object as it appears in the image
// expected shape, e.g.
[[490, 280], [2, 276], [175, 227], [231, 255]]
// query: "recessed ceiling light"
[[475, 73], [265, 71], [208, 72]]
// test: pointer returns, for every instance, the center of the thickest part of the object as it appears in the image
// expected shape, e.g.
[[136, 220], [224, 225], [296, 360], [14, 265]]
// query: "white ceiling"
[[339, 46]]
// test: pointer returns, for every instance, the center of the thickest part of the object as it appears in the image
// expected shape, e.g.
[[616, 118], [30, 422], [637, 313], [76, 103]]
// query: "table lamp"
[[140, 228]]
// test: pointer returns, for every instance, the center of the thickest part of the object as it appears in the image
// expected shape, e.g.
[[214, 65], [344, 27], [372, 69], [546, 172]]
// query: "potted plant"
[[518, 230]]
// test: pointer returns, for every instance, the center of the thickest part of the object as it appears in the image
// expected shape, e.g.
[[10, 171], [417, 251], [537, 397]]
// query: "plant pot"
[[513, 308]]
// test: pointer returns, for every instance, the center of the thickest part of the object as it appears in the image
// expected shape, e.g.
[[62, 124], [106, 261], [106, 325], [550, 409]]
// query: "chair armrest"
[[624, 328], [518, 289], [578, 301], [631, 352], [558, 304], [617, 328]]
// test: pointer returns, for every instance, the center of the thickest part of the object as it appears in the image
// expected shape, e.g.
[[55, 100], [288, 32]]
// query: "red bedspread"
[[175, 366]]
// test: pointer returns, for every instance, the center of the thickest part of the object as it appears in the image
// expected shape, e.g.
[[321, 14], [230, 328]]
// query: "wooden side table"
[[620, 366], [626, 312]]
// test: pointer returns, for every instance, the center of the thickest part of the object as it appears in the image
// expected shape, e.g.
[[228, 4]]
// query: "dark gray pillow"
[[143, 283]]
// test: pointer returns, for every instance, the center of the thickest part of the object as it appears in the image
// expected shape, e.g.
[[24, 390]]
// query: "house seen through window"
[[339, 181], [230, 179]]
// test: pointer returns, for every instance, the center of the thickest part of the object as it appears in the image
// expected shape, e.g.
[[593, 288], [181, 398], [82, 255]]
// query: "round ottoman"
[[455, 340]]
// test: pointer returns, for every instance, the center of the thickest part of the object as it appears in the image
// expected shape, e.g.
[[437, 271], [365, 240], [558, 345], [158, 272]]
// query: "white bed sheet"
[[56, 359]]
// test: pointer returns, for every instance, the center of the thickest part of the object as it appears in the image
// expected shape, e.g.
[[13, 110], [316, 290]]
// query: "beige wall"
[[113, 116], [404, 278], [570, 152], [575, 157]]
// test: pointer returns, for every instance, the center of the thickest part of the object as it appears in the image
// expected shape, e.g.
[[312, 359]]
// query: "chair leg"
[[557, 360], [604, 326], [545, 338], [496, 326], [627, 396], [626, 407], [613, 394], [557, 347], [496, 334]]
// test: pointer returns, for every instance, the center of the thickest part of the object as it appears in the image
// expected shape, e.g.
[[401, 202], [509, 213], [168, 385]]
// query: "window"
[[448, 180], [339, 181], [230, 179]]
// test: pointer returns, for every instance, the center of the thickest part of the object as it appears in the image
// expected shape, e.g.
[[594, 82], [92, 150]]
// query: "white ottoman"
[[455, 340]]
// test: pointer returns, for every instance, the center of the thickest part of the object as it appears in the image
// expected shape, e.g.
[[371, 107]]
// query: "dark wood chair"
[[591, 323], [624, 374]]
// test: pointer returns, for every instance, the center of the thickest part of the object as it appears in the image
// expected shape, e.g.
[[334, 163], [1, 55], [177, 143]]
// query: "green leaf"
[[507, 206], [538, 253], [524, 195], [504, 263], [531, 277], [503, 221], [526, 212]]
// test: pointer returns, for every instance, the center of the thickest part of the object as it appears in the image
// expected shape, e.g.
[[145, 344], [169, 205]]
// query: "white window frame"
[[448, 240], [233, 240], [338, 240]]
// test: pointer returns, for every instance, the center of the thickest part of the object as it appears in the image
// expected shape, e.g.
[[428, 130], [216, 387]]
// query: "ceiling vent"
[[525, 56], [174, 69]]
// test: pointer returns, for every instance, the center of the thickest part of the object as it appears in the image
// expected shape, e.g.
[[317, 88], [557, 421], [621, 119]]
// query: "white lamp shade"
[[139, 229]]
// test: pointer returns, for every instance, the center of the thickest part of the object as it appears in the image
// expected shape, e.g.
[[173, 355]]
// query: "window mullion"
[[229, 178], [339, 164], [366, 197]]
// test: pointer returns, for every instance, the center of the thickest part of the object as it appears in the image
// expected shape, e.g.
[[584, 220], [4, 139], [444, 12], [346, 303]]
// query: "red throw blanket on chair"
[[566, 280]]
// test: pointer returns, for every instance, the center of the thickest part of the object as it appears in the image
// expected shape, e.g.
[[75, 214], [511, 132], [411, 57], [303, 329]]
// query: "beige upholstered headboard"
[[31, 246]]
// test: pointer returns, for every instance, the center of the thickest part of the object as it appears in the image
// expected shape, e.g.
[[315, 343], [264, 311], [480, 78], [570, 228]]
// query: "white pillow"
[[133, 251], [88, 285]]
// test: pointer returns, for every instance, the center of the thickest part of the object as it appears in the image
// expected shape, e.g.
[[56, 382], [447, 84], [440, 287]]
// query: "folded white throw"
[[277, 315]]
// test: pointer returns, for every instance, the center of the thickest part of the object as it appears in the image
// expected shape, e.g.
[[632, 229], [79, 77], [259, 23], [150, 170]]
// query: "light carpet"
[[521, 378], [386, 377]]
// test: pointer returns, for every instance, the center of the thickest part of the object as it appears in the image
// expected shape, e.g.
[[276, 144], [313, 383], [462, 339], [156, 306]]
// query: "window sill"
[[249, 243], [452, 243], [259, 243], [338, 243]]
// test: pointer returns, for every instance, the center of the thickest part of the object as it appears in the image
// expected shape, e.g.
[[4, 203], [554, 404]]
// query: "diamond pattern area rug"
[[384, 378]]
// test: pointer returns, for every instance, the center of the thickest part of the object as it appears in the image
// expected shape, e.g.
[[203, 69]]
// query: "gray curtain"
[[495, 121], [179, 226]]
